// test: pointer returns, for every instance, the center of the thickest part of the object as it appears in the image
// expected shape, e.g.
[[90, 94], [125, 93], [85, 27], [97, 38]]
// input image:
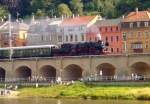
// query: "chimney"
[[78, 15], [137, 10], [123, 17]]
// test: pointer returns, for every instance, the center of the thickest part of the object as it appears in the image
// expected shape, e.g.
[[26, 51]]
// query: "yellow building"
[[136, 32]]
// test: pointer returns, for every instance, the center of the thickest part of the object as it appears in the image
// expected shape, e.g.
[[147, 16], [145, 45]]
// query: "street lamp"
[[10, 39], [125, 43]]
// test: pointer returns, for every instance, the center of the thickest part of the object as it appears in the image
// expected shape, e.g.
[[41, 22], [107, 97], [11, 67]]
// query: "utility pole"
[[10, 39]]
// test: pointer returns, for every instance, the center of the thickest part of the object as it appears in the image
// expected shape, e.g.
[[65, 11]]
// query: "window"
[[59, 38], [50, 37], [71, 38], [131, 25], [146, 45], [112, 50], [117, 38], [139, 34], [117, 28], [106, 29], [138, 24], [66, 38], [42, 37], [131, 34], [82, 37], [106, 38], [111, 38], [111, 29], [146, 34], [76, 38], [146, 24], [136, 45], [81, 27], [70, 29], [117, 50]]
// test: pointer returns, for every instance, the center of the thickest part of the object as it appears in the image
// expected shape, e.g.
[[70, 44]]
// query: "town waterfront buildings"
[[127, 34]]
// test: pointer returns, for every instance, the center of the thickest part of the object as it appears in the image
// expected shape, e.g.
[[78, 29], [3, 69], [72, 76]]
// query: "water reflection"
[[73, 101]]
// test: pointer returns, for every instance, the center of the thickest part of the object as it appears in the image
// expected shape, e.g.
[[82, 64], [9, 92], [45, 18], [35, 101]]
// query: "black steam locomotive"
[[86, 48]]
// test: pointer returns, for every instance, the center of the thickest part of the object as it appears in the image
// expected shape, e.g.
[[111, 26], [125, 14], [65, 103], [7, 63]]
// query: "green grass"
[[81, 90]]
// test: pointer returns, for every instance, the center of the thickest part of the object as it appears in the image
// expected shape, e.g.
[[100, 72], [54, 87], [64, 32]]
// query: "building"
[[136, 32], [18, 31], [74, 29], [44, 32], [110, 31]]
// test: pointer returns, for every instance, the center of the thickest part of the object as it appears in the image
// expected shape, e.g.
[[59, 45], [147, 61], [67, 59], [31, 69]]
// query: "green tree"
[[77, 7], [3, 12], [63, 9], [39, 13]]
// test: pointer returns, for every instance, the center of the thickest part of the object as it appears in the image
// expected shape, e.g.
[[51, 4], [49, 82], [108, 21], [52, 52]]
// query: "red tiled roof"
[[82, 20], [137, 16]]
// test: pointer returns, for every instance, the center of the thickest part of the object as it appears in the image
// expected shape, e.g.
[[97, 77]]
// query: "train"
[[67, 49]]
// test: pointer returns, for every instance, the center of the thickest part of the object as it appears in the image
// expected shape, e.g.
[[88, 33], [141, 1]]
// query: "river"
[[64, 101]]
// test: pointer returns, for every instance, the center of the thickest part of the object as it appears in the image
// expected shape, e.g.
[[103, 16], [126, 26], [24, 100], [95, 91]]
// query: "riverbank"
[[86, 91]]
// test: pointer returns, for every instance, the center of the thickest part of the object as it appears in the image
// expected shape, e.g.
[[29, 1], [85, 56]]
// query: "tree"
[[24, 8], [63, 9], [77, 7], [39, 13], [3, 12]]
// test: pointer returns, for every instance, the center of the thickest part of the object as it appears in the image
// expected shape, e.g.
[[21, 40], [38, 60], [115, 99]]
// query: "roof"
[[14, 26], [108, 22], [57, 22], [74, 21], [137, 16], [29, 47]]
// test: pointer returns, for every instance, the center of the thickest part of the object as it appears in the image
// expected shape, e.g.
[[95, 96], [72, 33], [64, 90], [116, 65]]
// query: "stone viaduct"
[[72, 68]]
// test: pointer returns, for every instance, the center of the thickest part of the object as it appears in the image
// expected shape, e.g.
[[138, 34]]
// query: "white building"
[[74, 29]]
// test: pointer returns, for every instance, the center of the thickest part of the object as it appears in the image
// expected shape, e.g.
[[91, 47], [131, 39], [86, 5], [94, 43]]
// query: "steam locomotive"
[[86, 48]]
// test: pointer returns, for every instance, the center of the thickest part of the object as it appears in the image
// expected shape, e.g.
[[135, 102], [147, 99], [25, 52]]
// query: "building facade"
[[44, 32], [18, 32], [74, 29], [136, 32], [110, 31]]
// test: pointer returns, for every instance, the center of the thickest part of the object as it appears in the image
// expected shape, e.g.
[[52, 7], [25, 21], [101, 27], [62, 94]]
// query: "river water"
[[64, 101]]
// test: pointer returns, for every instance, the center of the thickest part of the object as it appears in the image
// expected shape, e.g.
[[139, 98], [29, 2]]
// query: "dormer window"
[[146, 24], [138, 24], [131, 25]]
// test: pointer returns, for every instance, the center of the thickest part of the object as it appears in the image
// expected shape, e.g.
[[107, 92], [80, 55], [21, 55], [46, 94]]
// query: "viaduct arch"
[[23, 72], [72, 72], [48, 72], [106, 69], [140, 68]]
